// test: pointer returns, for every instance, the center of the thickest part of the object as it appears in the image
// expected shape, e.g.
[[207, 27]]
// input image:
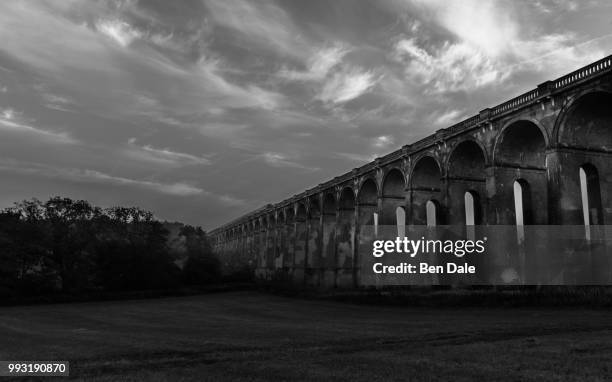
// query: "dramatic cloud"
[[452, 67], [206, 109]]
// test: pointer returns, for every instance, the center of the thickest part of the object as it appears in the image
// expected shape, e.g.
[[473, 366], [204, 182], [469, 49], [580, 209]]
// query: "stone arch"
[[394, 183], [393, 196], [425, 185], [329, 204], [473, 210], [520, 153], [347, 199], [466, 175], [281, 216], [586, 122], [300, 212], [368, 193], [467, 160], [367, 199], [314, 210], [523, 203], [426, 174], [271, 220], [432, 212], [521, 143]]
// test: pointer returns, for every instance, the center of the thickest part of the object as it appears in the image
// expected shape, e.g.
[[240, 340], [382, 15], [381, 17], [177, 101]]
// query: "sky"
[[203, 110]]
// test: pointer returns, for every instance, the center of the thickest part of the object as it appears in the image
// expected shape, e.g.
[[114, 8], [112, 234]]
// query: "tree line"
[[71, 246]]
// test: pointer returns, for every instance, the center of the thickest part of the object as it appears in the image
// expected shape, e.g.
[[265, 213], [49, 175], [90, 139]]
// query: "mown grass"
[[252, 336]]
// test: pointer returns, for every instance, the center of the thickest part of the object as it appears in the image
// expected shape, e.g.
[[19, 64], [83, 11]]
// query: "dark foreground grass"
[[249, 336]]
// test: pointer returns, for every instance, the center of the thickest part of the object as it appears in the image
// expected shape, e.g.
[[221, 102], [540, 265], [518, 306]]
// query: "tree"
[[202, 266]]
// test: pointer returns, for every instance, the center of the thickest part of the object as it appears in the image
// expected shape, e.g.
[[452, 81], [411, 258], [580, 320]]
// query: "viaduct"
[[549, 148]]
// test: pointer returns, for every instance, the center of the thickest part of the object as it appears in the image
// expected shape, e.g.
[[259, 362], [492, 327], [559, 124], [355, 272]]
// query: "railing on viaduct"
[[550, 147]]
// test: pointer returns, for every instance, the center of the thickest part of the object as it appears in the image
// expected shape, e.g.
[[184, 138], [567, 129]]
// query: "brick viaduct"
[[551, 146]]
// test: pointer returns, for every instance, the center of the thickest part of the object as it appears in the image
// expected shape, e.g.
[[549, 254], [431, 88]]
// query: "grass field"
[[250, 336]]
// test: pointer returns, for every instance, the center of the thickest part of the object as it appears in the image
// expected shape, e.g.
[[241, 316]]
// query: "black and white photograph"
[[292, 190]]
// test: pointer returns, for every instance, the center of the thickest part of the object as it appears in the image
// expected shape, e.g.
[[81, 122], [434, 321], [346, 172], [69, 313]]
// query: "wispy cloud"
[[347, 85], [280, 160], [164, 156], [14, 121], [318, 66], [447, 118], [452, 67], [231, 94], [383, 141], [265, 24], [94, 176], [357, 158], [178, 189], [119, 31]]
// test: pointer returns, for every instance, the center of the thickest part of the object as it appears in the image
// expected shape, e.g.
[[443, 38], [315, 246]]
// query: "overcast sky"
[[201, 111]]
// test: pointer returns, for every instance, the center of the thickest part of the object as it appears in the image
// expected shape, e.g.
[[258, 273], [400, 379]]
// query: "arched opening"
[[473, 212], [281, 217], [523, 209], [587, 124], [469, 209], [467, 162], [425, 186], [392, 197], [400, 217], [426, 175], [300, 214], [592, 211], [584, 135], [329, 205], [520, 176], [521, 145], [368, 203], [271, 221], [347, 199], [314, 212], [466, 174], [368, 193], [432, 213], [393, 185]]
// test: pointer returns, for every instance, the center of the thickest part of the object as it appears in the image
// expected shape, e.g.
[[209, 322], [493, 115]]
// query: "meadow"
[[253, 336]]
